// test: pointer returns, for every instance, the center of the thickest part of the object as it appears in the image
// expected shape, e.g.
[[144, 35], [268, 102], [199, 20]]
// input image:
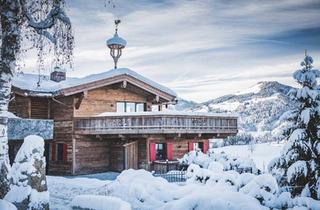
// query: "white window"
[[139, 107], [121, 106], [130, 107], [155, 108]]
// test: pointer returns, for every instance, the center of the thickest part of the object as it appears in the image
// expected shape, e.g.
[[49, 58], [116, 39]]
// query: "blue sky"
[[202, 49]]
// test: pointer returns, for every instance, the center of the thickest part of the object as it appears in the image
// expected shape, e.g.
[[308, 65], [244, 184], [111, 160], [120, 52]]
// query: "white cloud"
[[199, 48]]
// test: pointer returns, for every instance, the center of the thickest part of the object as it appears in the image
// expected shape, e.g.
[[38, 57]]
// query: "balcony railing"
[[155, 123]]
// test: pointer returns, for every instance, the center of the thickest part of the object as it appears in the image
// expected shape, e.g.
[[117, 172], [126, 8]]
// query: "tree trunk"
[[10, 45]]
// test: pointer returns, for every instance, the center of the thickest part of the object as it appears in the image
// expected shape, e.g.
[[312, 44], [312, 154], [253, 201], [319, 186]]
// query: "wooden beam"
[[79, 100]]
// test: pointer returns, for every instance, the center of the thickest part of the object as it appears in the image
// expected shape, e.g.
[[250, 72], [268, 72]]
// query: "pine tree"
[[298, 167]]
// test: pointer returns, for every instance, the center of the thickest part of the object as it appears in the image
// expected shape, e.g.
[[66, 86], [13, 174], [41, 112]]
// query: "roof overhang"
[[98, 84]]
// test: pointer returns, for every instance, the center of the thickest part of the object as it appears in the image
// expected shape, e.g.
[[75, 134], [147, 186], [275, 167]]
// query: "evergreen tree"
[[298, 167]]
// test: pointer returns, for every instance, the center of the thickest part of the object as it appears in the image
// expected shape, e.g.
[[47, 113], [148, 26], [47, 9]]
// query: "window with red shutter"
[[169, 151], [59, 152], [53, 151], [190, 146], [65, 152], [152, 150], [205, 146]]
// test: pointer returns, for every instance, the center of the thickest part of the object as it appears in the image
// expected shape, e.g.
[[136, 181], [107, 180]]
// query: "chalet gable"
[[26, 84]]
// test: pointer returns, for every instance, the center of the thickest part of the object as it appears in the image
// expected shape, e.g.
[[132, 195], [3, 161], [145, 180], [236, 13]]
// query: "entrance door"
[[117, 158], [131, 155]]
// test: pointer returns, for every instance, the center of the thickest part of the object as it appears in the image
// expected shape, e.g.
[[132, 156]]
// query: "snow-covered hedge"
[[227, 162], [263, 187], [204, 189], [144, 191]]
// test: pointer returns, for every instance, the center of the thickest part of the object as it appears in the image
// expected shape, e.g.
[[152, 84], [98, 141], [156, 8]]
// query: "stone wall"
[[19, 128]]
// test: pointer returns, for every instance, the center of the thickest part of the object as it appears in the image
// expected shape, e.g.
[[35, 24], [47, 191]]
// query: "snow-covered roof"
[[48, 87], [168, 112], [116, 40]]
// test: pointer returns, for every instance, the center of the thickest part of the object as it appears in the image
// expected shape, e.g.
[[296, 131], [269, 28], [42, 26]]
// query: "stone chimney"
[[58, 74]]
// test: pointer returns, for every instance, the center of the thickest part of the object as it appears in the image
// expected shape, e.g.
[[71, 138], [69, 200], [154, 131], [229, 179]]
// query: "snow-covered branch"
[[56, 13]]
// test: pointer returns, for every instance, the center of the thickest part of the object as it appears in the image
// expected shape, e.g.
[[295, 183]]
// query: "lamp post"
[[116, 44]]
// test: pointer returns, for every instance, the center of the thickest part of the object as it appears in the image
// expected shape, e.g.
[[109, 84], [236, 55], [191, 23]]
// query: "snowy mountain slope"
[[260, 108]]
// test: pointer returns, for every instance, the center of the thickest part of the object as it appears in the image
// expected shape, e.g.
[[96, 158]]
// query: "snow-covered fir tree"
[[298, 167]]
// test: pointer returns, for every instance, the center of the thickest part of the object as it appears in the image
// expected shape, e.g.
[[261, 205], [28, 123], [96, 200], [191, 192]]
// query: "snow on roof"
[[167, 112], [48, 87], [116, 40]]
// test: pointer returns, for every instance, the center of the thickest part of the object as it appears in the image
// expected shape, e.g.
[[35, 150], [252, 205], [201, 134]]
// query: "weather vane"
[[116, 44]]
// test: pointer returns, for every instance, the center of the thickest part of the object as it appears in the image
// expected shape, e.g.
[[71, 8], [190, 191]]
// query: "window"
[[130, 107], [58, 152], [155, 108], [161, 152], [140, 107], [120, 106], [198, 145], [164, 107]]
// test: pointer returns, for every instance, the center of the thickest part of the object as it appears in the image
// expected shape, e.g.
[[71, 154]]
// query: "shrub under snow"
[[144, 191], [29, 187], [216, 161], [220, 190], [263, 188]]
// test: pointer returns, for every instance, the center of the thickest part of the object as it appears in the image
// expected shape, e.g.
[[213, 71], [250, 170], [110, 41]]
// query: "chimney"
[[58, 74]]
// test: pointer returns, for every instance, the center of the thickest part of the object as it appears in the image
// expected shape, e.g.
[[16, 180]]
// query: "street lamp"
[[116, 44]]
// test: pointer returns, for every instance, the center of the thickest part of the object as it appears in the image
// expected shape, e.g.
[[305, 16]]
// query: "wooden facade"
[[86, 143]]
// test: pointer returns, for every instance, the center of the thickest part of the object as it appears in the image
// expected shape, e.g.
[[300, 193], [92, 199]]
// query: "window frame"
[[130, 102], [163, 151], [58, 152], [198, 145]]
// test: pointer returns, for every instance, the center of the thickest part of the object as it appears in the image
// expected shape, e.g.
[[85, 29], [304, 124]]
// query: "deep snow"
[[261, 155], [64, 189]]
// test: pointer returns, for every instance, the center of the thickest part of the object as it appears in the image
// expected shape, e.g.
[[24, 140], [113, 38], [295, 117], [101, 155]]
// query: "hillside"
[[260, 108]]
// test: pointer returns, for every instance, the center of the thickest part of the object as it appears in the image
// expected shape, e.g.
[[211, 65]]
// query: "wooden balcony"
[[157, 123]]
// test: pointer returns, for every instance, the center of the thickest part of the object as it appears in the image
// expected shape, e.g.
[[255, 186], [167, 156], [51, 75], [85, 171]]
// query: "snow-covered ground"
[[63, 189], [261, 155]]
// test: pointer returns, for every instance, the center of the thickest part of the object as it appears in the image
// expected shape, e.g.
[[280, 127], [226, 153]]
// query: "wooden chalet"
[[109, 122]]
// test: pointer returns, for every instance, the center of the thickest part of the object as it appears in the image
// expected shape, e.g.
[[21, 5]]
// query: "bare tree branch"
[[56, 13], [48, 22]]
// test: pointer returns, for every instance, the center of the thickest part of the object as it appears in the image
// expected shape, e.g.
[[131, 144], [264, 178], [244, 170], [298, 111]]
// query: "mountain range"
[[261, 108]]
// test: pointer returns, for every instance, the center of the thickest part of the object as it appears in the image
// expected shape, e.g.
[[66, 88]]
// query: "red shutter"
[[53, 151], [152, 149], [190, 146], [64, 152], [169, 151], [205, 146]]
